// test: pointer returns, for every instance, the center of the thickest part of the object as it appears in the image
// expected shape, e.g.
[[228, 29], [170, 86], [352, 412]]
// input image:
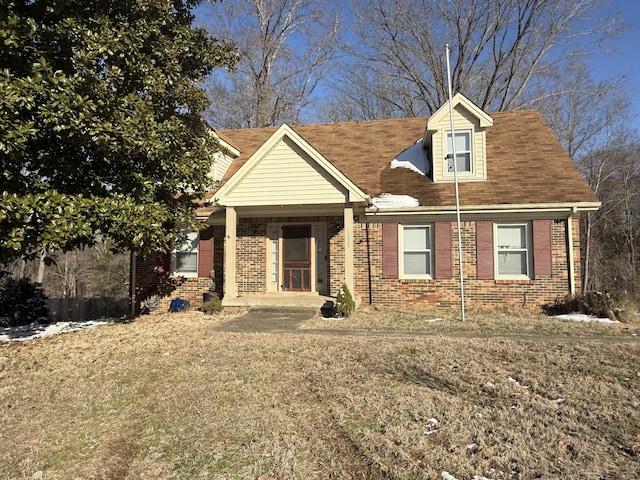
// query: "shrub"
[[22, 302], [599, 304], [345, 304], [212, 307]]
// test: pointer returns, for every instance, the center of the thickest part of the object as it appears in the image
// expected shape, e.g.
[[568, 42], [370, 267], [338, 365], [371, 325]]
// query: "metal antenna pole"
[[455, 179]]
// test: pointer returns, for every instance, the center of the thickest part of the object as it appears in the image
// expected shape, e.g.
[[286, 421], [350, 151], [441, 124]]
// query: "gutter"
[[566, 209]]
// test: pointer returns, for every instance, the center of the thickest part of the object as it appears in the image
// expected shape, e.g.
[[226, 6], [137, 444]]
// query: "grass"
[[514, 321], [165, 397]]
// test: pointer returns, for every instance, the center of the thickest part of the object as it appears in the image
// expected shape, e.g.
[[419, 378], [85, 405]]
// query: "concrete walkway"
[[259, 319], [289, 320]]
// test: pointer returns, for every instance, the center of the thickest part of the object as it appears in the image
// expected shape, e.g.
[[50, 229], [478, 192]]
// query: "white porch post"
[[348, 247], [230, 290]]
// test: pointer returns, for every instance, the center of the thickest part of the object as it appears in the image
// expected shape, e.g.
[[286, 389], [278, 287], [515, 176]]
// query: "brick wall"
[[153, 276], [373, 288], [370, 286]]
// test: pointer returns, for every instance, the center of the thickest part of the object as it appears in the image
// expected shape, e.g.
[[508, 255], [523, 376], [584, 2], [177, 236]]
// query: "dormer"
[[470, 125]]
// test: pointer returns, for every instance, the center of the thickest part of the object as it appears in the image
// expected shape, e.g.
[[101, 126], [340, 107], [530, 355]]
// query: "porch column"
[[230, 290], [348, 247]]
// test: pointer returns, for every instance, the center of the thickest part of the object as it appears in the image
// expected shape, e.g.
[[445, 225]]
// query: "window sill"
[[425, 279], [514, 281]]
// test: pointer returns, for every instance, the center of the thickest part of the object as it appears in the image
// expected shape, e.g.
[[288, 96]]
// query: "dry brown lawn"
[[165, 397]]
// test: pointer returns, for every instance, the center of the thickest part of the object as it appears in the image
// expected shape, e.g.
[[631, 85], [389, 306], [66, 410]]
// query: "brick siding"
[[370, 286]]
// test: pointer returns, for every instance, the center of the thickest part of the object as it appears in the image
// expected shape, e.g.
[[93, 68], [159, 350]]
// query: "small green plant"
[[345, 305], [22, 302], [212, 307]]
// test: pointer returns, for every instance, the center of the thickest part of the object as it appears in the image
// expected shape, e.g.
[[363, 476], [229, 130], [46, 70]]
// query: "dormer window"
[[463, 152], [470, 127]]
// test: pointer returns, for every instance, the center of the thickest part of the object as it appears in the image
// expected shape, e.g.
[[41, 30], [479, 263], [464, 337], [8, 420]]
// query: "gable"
[[469, 121], [286, 170]]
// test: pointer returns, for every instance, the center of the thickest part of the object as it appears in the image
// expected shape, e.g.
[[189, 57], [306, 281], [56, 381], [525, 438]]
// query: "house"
[[303, 209]]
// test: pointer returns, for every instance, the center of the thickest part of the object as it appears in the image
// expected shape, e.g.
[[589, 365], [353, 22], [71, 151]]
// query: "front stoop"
[[288, 299]]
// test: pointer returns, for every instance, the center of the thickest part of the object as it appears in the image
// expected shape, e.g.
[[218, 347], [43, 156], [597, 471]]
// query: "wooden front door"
[[296, 258]]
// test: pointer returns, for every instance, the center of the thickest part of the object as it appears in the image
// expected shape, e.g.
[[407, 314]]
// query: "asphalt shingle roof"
[[525, 162]]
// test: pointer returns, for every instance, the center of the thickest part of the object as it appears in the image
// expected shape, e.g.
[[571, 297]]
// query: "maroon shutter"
[[205, 253], [443, 250], [542, 263], [389, 250], [484, 250]]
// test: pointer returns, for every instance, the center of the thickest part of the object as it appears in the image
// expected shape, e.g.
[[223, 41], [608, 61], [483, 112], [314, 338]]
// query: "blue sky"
[[626, 60]]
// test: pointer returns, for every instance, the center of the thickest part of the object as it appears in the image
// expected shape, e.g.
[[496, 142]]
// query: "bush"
[[599, 304], [345, 304], [212, 307], [22, 302]]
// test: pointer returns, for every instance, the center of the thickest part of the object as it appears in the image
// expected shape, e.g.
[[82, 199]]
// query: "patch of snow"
[[413, 158], [559, 401], [513, 380], [448, 476], [433, 320], [432, 426], [581, 317], [472, 447], [35, 330], [388, 200]]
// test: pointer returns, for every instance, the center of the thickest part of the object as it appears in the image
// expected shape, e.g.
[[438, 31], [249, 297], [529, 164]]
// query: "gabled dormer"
[[470, 125]]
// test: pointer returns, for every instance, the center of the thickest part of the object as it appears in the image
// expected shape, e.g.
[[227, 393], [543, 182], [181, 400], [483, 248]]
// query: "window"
[[463, 152], [186, 256], [513, 251], [416, 251]]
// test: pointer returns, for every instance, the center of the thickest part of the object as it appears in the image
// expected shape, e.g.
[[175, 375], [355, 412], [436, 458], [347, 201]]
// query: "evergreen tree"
[[100, 133]]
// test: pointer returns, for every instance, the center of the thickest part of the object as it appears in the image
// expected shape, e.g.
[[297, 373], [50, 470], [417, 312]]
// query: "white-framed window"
[[185, 256], [513, 250], [463, 152], [416, 255]]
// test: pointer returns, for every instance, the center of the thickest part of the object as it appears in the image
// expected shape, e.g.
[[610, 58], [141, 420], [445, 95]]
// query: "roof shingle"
[[525, 162]]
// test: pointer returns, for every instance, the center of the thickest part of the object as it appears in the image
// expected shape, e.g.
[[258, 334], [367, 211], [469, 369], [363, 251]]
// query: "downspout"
[[132, 284], [571, 260]]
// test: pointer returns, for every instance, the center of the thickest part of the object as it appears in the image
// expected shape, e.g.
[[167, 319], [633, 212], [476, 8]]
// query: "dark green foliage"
[[212, 307], [21, 302], [345, 305], [101, 134]]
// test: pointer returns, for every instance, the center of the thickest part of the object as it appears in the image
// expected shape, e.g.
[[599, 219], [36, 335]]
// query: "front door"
[[296, 258]]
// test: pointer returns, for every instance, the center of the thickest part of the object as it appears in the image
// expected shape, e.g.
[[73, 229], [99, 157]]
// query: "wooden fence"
[[82, 309]]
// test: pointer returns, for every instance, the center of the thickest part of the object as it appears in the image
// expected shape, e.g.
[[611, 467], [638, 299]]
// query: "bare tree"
[[285, 48], [611, 236], [584, 114], [499, 48]]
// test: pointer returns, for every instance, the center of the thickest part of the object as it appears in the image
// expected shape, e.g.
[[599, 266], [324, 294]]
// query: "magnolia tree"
[[102, 136]]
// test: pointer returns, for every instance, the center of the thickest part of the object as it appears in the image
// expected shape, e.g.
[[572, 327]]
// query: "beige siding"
[[221, 162], [463, 120], [286, 176]]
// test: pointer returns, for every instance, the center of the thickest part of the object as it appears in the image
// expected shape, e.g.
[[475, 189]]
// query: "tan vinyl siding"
[[286, 176], [463, 121], [221, 162]]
